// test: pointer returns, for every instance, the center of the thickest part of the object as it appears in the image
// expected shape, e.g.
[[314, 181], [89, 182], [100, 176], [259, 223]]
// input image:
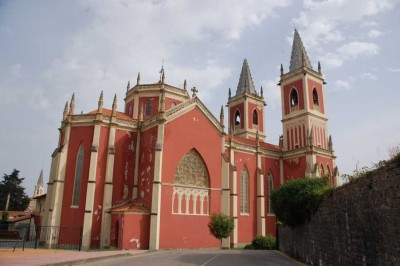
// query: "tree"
[[295, 201], [221, 225], [11, 184]]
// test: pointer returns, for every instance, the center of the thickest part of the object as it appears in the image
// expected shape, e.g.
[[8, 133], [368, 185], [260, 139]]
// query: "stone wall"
[[358, 224]]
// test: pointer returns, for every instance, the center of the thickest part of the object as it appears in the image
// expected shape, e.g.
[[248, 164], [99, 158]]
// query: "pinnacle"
[[299, 54], [245, 81]]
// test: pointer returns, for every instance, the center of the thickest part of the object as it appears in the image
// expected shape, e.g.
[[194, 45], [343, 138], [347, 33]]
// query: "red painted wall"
[[181, 135], [247, 223], [232, 111], [318, 86], [169, 102], [135, 231], [298, 84], [154, 105], [294, 168], [124, 165], [73, 217]]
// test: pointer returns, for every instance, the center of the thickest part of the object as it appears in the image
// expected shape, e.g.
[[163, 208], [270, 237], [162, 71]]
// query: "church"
[[150, 176]]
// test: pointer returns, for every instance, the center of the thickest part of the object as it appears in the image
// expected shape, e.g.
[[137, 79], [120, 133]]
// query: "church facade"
[[151, 176]]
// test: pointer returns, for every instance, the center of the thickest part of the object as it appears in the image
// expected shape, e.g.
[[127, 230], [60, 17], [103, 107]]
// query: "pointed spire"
[[221, 116], [65, 113], [281, 69], [262, 92], [72, 105], [330, 143], [39, 188], [114, 106], [319, 67], [229, 93], [128, 87], [100, 103], [299, 56], [163, 77], [245, 81], [184, 85], [138, 79]]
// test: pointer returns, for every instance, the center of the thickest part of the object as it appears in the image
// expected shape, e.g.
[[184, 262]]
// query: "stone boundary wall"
[[358, 224]]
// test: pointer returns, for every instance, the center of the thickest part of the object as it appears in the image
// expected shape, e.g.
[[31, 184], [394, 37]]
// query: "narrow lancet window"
[[270, 188], [148, 109], [255, 117], [294, 99], [244, 191], [237, 117], [78, 176], [315, 97]]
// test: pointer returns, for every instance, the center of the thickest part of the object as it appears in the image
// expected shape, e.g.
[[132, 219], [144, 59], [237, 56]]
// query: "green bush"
[[264, 242], [221, 225], [295, 201], [248, 246]]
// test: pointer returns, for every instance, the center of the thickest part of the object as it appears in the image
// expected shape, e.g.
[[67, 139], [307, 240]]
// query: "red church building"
[[151, 175]]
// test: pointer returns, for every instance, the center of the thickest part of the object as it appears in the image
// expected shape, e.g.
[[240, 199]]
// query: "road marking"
[[209, 260]]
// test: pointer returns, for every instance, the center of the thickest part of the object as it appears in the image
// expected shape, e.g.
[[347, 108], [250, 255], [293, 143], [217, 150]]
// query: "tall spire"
[[72, 105], [65, 113], [114, 106], [39, 188], [245, 81], [100, 103], [221, 116], [299, 54], [128, 87], [138, 79]]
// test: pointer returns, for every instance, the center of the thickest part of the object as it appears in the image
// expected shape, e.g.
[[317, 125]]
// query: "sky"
[[51, 49]]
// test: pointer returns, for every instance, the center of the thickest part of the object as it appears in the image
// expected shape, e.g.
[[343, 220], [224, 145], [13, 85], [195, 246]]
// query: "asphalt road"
[[201, 258]]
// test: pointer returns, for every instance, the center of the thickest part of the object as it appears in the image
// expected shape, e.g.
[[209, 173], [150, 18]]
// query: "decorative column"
[[225, 197], [260, 193], [234, 196]]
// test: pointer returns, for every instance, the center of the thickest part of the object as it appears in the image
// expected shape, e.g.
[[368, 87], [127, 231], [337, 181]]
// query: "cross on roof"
[[194, 90]]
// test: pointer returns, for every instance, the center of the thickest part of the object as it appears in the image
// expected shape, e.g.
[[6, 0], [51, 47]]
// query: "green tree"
[[11, 184], [221, 225], [295, 201]]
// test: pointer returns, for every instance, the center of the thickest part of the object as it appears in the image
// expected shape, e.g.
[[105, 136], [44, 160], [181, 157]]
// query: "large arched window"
[[315, 97], [270, 188], [148, 108], [244, 191], [255, 117], [191, 186], [294, 98], [78, 176], [237, 117]]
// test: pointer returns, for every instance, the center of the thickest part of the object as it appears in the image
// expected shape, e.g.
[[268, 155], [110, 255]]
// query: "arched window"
[[191, 186], [78, 176], [237, 117], [270, 188], [255, 117], [130, 109], [148, 108], [294, 99], [244, 191], [315, 97]]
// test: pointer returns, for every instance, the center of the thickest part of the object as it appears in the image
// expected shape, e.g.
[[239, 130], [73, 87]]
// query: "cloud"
[[375, 33], [341, 85], [369, 76], [393, 69], [355, 49], [272, 93]]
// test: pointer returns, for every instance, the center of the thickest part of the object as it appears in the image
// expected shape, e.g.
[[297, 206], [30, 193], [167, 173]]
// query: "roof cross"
[[194, 90]]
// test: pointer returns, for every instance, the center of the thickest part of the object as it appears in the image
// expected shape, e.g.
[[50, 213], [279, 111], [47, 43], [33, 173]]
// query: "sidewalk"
[[56, 257]]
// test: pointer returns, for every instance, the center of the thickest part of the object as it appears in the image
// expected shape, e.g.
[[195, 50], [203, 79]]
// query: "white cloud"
[[341, 85], [375, 33], [369, 76], [393, 69], [272, 93], [330, 61], [355, 49]]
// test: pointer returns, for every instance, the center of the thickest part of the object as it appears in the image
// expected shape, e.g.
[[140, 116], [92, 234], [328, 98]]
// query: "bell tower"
[[304, 120], [246, 107]]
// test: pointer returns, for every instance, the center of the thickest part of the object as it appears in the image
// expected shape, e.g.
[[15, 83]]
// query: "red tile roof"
[[252, 142], [131, 206], [108, 113]]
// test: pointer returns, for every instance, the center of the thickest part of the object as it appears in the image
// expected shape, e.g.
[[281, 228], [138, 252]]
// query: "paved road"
[[202, 258]]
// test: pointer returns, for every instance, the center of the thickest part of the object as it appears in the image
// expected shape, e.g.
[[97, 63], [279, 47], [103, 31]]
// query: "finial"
[[65, 113], [72, 104], [330, 143], [128, 87], [221, 116], [184, 85], [262, 92], [229, 93], [162, 72], [319, 67], [138, 79], [163, 77], [100, 103], [114, 106], [194, 90], [281, 69]]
